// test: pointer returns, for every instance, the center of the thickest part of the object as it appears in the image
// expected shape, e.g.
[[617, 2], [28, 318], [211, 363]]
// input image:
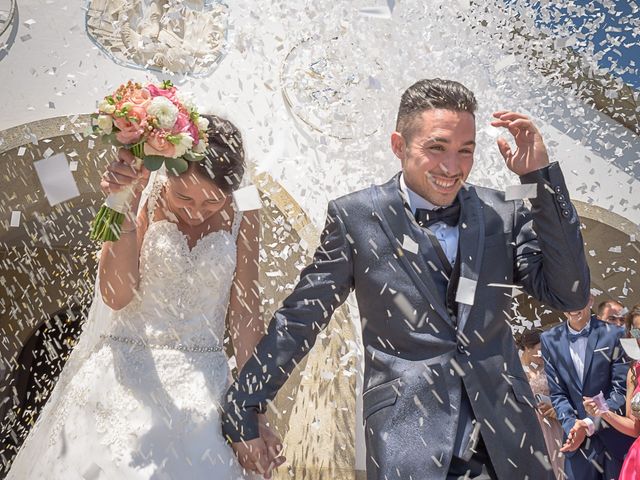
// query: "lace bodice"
[[183, 294]]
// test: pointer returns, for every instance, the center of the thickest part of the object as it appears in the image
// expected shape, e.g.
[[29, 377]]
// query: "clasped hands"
[[263, 454]]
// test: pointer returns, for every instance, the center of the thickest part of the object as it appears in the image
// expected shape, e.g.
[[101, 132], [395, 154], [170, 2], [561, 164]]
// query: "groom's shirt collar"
[[414, 200]]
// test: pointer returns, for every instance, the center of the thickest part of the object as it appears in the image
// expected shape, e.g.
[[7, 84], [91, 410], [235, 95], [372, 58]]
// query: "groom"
[[444, 392]]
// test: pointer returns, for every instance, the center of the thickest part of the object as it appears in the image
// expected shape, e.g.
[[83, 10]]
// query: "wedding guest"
[[582, 358], [628, 424], [533, 365], [611, 311]]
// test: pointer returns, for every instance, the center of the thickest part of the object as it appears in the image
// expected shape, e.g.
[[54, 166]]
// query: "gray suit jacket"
[[417, 359]]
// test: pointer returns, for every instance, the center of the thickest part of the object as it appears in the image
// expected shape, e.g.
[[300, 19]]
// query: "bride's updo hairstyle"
[[224, 159]]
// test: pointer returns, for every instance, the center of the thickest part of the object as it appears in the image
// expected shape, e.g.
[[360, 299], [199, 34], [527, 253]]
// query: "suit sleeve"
[[549, 253], [558, 391], [323, 286]]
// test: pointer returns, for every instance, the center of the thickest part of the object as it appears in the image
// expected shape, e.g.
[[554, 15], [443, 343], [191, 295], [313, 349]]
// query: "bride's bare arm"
[[245, 322], [118, 267]]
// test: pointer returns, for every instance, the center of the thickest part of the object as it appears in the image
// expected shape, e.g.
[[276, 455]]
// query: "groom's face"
[[437, 153]]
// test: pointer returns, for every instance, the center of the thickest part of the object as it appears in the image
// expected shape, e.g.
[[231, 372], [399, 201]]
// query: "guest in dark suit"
[[445, 396], [583, 357]]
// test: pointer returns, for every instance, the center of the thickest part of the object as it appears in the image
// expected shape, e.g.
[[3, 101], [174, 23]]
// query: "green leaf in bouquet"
[[193, 157], [176, 165], [154, 162]]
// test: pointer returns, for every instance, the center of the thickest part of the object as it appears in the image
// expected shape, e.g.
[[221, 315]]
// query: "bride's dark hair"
[[224, 159]]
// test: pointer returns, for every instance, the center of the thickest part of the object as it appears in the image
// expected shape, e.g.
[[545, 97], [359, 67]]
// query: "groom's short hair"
[[431, 94]]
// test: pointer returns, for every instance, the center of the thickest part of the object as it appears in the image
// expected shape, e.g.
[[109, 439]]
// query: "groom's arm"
[[324, 285], [549, 252]]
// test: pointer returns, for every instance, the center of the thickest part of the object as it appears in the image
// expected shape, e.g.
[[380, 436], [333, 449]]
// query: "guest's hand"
[[546, 410], [591, 407], [530, 153], [576, 436]]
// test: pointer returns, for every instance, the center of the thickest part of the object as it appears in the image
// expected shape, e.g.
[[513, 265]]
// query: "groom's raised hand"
[[530, 153]]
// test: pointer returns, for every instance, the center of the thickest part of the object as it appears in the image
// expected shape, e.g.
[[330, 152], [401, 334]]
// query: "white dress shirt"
[[447, 235], [578, 350]]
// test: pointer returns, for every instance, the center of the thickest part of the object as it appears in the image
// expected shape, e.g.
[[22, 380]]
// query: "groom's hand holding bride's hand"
[[263, 454], [530, 154]]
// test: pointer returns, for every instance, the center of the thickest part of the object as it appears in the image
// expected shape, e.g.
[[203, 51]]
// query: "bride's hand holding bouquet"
[[157, 126]]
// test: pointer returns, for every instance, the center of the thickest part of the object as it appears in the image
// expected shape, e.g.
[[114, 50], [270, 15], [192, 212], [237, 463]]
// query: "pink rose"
[[182, 123], [194, 132], [170, 93], [136, 116], [157, 144], [140, 97], [130, 136]]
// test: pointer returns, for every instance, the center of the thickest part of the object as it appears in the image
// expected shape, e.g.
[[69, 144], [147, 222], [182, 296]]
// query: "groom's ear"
[[398, 145]]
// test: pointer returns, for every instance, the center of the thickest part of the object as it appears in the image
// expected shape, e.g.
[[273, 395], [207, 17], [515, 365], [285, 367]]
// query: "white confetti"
[[409, 244], [56, 179], [73, 165], [15, 219], [517, 192], [631, 347], [247, 198], [376, 12], [466, 291]]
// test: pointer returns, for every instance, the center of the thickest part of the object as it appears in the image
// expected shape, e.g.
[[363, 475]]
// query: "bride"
[[139, 396]]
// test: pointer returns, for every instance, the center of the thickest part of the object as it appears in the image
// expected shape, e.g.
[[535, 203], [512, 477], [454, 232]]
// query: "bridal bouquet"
[[159, 126]]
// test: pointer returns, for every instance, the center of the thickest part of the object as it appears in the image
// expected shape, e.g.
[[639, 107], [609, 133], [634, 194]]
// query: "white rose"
[[106, 107], [164, 110], [186, 99], [105, 123], [200, 147], [203, 124], [184, 142]]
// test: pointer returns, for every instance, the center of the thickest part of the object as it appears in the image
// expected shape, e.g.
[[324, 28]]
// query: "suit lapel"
[[592, 342], [471, 246], [395, 221]]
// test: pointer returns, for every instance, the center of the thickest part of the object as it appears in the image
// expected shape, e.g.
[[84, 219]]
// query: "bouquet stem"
[[107, 225]]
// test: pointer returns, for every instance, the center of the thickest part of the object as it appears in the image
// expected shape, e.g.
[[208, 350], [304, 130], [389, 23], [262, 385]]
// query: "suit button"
[[563, 205], [565, 213], [557, 189], [461, 348], [560, 197]]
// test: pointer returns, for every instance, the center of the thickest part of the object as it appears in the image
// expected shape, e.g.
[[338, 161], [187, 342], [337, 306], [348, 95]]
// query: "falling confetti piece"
[[409, 244], [466, 291], [631, 348], [15, 218], [56, 179], [247, 198], [518, 192]]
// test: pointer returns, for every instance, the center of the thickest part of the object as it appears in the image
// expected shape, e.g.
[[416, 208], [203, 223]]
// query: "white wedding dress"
[[140, 397]]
